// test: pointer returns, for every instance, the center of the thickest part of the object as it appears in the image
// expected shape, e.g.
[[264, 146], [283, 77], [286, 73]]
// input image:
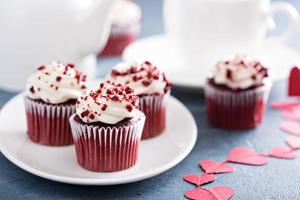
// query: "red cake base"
[[106, 149], [116, 44], [154, 108], [119, 39], [49, 124], [236, 110]]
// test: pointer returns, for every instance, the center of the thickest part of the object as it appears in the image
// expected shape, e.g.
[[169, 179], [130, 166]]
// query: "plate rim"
[[82, 181]]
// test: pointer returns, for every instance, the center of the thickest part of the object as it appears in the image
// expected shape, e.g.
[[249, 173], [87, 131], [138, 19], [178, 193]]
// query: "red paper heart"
[[213, 167], [222, 193], [215, 193], [285, 105], [293, 142], [200, 194], [294, 82], [291, 127], [292, 116], [199, 179], [244, 155], [282, 152]]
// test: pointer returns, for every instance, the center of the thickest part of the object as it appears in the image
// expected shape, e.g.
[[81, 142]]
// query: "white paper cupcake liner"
[[236, 110], [49, 124], [154, 108], [107, 149]]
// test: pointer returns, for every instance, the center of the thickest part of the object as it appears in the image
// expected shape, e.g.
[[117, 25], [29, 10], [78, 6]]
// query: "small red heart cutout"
[[294, 82], [291, 116], [245, 155], [288, 106], [199, 179], [290, 127], [293, 142], [200, 194], [283, 152], [215, 193], [222, 193], [213, 167]]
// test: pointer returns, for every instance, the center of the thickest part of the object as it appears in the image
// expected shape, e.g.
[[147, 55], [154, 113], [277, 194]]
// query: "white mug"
[[207, 30]]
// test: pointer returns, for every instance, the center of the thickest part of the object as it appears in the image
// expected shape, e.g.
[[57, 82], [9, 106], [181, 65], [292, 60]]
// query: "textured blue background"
[[278, 180]]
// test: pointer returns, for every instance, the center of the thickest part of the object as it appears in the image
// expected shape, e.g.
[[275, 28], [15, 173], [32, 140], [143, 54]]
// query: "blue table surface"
[[277, 180]]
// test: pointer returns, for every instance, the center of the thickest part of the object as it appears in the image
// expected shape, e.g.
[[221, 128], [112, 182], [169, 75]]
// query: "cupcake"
[[107, 128], [153, 89], [126, 22], [237, 93], [51, 94]]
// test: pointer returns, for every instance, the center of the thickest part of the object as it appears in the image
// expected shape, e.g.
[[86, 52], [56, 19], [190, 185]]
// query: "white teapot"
[[35, 32]]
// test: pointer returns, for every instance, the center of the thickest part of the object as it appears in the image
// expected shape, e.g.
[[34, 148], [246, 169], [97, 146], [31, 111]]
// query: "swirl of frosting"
[[145, 79], [55, 83], [240, 73], [109, 104]]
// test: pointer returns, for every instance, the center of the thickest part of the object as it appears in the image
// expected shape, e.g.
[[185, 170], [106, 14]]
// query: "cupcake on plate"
[[107, 128], [126, 23], [237, 93], [50, 98], [153, 89]]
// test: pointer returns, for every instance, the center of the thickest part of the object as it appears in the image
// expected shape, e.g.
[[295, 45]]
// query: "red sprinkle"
[[146, 83], [71, 65], [92, 116], [129, 90], [42, 67], [103, 108], [58, 78], [31, 89], [229, 74], [85, 113], [129, 107], [115, 98]]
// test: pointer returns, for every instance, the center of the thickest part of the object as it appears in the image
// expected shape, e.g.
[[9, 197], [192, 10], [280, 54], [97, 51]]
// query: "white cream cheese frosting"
[[55, 83], [109, 104], [144, 79], [239, 73]]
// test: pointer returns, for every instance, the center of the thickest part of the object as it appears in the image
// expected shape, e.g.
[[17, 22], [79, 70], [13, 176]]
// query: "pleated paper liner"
[[236, 110], [154, 108], [106, 149], [49, 124]]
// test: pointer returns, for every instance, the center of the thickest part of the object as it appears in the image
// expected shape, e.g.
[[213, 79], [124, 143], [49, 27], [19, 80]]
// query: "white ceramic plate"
[[59, 163], [164, 53]]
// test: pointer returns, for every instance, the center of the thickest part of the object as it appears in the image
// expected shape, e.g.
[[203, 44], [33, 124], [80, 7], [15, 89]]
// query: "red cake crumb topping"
[[41, 67], [151, 73], [58, 78], [85, 113], [107, 92], [129, 107], [32, 90], [104, 106]]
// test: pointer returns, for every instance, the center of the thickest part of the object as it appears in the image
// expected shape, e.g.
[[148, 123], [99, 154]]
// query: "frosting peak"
[[110, 104], [145, 78], [55, 83], [239, 73]]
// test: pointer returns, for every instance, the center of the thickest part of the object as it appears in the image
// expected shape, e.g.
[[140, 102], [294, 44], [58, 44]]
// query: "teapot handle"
[[293, 17]]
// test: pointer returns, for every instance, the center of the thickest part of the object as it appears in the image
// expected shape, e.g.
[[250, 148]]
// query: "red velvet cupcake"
[[153, 89], [126, 23], [51, 94], [237, 94], [107, 128]]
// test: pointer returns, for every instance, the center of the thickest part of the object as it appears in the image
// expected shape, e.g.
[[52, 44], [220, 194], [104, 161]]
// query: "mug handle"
[[293, 18]]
